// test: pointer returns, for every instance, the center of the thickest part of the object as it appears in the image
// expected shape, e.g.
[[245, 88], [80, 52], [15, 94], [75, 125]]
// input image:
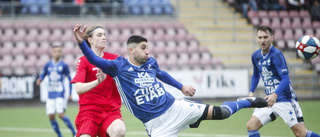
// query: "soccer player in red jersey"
[[99, 100]]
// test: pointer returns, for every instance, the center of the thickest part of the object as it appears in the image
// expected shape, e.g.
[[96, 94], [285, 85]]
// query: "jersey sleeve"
[[67, 74], [107, 66], [80, 71], [255, 77], [44, 71], [166, 78]]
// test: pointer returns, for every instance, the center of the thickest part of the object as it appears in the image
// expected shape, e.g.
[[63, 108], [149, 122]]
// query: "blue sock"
[[69, 124], [254, 133], [312, 134], [234, 106], [55, 127]]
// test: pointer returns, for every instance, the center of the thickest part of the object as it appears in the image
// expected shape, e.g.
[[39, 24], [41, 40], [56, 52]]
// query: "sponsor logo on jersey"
[[130, 69]]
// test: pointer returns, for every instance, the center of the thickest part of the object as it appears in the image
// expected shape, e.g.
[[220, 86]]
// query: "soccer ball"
[[308, 47]]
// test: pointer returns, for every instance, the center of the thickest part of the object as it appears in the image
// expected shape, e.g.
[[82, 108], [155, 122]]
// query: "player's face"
[[141, 53], [56, 53], [98, 39], [264, 41]]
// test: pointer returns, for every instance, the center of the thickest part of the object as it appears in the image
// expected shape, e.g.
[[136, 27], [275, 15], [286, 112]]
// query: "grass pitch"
[[31, 121]]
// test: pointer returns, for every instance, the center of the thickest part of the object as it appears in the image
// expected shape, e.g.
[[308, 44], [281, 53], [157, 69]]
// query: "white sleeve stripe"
[[122, 94]]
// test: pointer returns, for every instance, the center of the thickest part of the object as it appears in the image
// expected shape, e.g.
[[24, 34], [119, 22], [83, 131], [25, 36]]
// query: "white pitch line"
[[23, 129]]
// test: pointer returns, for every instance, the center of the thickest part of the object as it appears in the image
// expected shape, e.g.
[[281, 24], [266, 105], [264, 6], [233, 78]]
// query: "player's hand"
[[271, 99], [38, 81], [79, 33], [188, 90], [250, 94], [70, 98], [100, 76]]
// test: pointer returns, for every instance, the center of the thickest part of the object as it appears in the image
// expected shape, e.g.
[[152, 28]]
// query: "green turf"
[[31, 121]]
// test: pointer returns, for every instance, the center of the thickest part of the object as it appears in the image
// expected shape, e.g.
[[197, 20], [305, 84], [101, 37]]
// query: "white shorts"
[[56, 105], [178, 117], [290, 112]]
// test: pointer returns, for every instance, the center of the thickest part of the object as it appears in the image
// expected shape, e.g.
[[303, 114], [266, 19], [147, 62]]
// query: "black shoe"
[[255, 101]]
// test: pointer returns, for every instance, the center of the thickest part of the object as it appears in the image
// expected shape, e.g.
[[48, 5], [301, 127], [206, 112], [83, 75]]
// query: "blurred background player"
[[270, 63], [99, 99], [146, 98], [56, 70]]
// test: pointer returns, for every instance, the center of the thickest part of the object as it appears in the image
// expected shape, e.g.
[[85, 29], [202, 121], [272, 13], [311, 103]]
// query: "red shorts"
[[95, 123]]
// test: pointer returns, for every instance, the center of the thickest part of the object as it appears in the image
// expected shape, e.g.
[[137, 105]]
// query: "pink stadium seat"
[[182, 47], [43, 25], [126, 31], [30, 62], [19, 48], [273, 14], [304, 13], [31, 49], [5, 24], [315, 61], [170, 31], [159, 47], [194, 59], [281, 44], [255, 21], [265, 22], [161, 59], [293, 13], [159, 32], [137, 31], [288, 34], [262, 14], [252, 14], [6, 61], [114, 32], [70, 60], [203, 49], [44, 48], [43, 59], [171, 47], [6, 48], [286, 23], [296, 23], [18, 25], [275, 24], [298, 33], [183, 60], [205, 59], [30, 25], [18, 60], [9, 32], [316, 24], [306, 24], [283, 14], [217, 63], [309, 31], [172, 61], [193, 48], [68, 47]]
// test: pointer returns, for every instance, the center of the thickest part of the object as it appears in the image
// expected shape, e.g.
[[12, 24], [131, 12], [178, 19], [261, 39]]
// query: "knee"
[[118, 132], [251, 126]]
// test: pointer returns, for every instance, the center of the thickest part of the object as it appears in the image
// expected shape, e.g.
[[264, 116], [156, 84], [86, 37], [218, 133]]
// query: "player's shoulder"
[[274, 51], [108, 55], [256, 53]]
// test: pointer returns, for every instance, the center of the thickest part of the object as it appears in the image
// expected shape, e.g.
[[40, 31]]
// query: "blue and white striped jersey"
[[272, 67]]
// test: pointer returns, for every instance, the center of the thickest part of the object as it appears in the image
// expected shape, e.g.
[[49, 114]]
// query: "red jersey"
[[102, 97]]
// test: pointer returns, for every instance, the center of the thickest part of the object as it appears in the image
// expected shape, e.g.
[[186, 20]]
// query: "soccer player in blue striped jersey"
[[270, 64], [56, 70], [145, 97]]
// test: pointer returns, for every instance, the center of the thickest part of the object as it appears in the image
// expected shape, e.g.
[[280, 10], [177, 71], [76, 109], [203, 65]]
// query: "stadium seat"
[[275, 24], [31, 49], [283, 14], [156, 7], [193, 47], [293, 14], [171, 47], [296, 23], [205, 59], [298, 33], [43, 59], [255, 21], [304, 13], [182, 46], [18, 49], [194, 59], [70, 60], [6, 61], [263, 14], [316, 24], [273, 14], [306, 24], [18, 60], [159, 47], [265, 21], [183, 60], [30, 64], [161, 60], [172, 61], [286, 23], [7, 48], [309, 31], [167, 7], [252, 14]]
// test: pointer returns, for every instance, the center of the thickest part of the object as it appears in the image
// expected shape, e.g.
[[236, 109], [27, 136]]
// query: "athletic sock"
[[55, 127], [312, 134], [69, 124], [234, 106], [254, 133]]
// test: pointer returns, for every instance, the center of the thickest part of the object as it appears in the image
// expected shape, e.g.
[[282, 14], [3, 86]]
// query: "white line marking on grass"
[[23, 129]]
